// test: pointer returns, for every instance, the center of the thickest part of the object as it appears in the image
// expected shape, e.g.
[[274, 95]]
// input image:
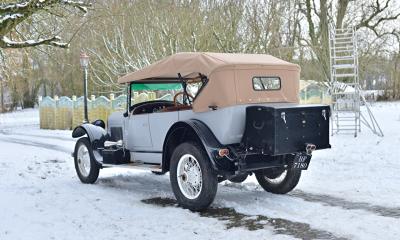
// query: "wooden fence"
[[66, 113]]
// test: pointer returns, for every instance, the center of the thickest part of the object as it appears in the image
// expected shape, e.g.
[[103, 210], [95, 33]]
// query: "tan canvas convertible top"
[[230, 77]]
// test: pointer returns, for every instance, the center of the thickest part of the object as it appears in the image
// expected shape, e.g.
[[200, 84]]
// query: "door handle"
[[283, 116]]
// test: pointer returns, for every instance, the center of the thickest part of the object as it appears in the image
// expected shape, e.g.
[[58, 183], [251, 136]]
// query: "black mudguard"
[[97, 136], [92, 131], [204, 135]]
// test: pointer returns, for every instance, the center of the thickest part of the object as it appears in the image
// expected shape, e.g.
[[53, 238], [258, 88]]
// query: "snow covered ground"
[[351, 191]]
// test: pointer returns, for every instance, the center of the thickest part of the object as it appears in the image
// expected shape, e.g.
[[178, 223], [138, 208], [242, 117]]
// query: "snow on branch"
[[78, 4], [13, 14], [13, 6], [35, 5], [10, 17], [54, 41]]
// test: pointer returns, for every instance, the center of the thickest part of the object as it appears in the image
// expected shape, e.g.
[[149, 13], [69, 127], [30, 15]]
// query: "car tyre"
[[193, 179], [278, 181], [87, 168]]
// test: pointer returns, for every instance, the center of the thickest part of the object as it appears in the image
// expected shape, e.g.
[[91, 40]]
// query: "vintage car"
[[206, 118]]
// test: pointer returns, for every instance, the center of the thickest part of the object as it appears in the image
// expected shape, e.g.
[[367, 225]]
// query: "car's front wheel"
[[86, 166], [193, 179], [279, 181]]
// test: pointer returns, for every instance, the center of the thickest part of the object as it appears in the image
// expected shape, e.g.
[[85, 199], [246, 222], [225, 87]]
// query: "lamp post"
[[84, 59]]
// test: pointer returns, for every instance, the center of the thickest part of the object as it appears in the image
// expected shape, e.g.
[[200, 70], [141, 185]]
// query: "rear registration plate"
[[301, 161]]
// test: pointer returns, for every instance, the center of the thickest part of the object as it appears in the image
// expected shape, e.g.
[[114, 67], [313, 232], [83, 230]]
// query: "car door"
[[138, 134], [160, 123]]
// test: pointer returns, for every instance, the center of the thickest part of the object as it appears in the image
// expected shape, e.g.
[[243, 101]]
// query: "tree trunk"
[[324, 51], [342, 9]]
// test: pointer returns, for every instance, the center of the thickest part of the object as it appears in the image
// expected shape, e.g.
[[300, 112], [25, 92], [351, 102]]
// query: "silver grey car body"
[[144, 134], [239, 115]]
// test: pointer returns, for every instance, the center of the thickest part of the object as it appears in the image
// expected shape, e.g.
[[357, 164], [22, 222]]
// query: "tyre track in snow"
[[332, 201], [234, 219], [7, 135], [10, 133], [346, 204], [228, 216], [47, 146], [45, 170], [230, 213]]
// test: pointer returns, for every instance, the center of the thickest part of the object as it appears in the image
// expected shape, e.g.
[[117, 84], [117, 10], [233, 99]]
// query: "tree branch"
[[11, 15], [54, 41], [378, 9], [13, 7]]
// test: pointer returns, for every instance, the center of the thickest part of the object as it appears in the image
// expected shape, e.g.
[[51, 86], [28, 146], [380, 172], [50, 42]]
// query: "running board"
[[136, 165]]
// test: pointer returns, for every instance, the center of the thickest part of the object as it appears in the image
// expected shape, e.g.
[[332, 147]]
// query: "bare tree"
[[125, 35], [14, 15], [369, 14]]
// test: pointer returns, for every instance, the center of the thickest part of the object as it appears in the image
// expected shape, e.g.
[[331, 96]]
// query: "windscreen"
[[142, 92], [156, 86]]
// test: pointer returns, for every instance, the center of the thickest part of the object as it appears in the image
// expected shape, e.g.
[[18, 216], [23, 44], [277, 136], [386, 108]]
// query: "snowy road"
[[350, 192]]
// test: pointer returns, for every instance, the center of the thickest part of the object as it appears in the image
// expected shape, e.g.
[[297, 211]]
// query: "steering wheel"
[[181, 93]]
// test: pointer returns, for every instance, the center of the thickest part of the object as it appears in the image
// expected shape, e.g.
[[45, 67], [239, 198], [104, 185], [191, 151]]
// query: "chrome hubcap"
[[189, 176], [83, 159]]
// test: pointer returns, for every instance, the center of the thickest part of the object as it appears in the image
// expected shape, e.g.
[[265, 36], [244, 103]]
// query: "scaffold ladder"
[[347, 95]]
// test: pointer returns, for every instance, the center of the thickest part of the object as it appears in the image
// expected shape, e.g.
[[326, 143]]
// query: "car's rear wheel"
[[194, 181], [86, 166], [279, 181]]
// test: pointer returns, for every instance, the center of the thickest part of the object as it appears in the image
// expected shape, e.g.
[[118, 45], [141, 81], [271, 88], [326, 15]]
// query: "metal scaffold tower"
[[347, 96]]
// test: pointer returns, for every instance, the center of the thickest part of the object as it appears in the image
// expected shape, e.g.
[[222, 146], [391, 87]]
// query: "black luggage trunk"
[[286, 128]]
